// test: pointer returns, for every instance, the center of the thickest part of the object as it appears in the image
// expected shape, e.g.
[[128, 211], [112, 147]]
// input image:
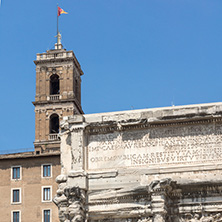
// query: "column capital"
[[163, 186], [160, 192]]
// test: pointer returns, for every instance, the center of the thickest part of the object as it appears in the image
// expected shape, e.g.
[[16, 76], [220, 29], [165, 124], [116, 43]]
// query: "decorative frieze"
[[206, 217]]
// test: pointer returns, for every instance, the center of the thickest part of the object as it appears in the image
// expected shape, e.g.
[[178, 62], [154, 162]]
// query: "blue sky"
[[135, 54]]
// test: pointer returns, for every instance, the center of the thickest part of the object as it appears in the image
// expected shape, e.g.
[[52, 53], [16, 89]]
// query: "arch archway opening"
[[54, 124], [54, 85]]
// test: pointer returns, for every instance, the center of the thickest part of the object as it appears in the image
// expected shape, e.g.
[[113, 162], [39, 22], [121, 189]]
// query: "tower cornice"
[[58, 56], [35, 103]]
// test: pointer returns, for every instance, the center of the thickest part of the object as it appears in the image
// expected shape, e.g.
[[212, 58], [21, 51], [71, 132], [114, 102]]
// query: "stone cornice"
[[43, 142], [202, 189], [133, 198], [50, 61], [28, 155], [110, 127], [60, 60], [151, 118], [59, 101]]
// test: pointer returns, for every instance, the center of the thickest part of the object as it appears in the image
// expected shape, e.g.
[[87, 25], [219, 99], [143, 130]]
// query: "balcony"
[[53, 97], [54, 136], [54, 55]]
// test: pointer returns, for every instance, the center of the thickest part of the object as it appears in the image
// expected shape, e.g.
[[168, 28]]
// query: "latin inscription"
[[172, 145]]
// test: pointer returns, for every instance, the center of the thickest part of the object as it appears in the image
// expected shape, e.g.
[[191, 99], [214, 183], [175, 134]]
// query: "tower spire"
[[59, 45]]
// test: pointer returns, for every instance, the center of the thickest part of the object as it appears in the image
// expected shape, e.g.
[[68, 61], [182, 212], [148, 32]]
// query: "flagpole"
[[57, 26]]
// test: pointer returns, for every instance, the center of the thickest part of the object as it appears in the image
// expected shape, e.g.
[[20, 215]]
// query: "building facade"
[[27, 184]]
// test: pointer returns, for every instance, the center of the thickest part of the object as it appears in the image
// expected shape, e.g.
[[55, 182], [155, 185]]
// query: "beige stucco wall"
[[31, 183]]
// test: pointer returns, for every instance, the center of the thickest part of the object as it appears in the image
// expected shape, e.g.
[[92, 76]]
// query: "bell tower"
[[58, 94]]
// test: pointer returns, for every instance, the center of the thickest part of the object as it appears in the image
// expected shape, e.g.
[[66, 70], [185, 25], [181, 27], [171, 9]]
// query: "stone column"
[[73, 179], [159, 208], [159, 191], [72, 144]]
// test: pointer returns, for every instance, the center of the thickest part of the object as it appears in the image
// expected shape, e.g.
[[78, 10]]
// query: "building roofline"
[[25, 155], [180, 107]]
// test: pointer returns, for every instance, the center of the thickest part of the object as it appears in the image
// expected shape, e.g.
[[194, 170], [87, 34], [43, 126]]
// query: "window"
[[16, 216], [16, 195], [76, 88], [46, 194], [54, 123], [54, 84], [16, 172], [46, 216], [46, 170]]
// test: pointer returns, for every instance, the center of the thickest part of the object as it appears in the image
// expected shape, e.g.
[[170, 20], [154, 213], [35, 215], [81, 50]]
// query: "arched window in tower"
[[54, 84], [54, 123]]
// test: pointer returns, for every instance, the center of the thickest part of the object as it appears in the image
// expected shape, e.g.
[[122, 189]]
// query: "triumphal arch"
[[161, 164]]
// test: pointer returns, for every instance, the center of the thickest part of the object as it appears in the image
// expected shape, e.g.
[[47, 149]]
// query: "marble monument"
[[160, 164]]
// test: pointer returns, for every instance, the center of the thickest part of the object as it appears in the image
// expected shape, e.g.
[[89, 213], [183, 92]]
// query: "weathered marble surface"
[[160, 164], [156, 146]]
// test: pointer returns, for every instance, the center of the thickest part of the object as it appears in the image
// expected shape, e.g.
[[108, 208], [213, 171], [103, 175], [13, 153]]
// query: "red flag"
[[61, 11]]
